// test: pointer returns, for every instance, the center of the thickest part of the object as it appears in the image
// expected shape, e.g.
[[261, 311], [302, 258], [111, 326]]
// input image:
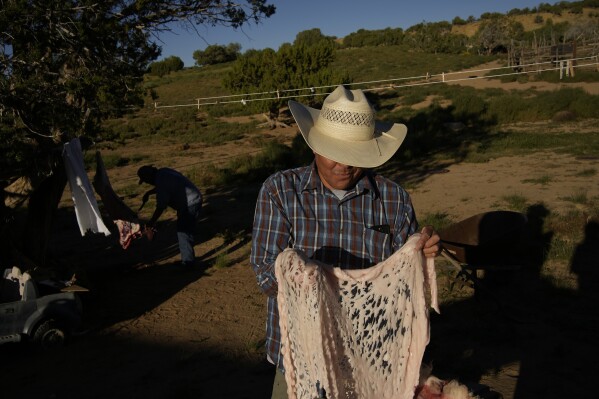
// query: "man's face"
[[336, 175]]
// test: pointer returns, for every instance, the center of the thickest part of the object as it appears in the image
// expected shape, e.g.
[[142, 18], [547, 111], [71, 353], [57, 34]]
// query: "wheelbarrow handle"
[[447, 255]]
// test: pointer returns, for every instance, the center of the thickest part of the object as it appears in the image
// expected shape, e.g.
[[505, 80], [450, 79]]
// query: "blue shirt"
[[295, 210], [175, 190]]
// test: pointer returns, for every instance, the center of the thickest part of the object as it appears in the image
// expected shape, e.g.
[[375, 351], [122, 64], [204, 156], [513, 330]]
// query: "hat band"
[[346, 125], [347, 117]]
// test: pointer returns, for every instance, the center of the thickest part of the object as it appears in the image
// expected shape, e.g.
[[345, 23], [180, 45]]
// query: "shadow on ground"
[[106, 360], [112, 366], [541, 339]]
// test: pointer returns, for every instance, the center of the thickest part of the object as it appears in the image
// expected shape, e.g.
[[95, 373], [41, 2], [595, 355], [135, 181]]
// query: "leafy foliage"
[[292, 66], [217, 54], [550, 32], [67, 65], [432, 37], [496, 33], [458, 21], [312, 37], [166, 66], [363, 37], [435, 37], [508, 108]]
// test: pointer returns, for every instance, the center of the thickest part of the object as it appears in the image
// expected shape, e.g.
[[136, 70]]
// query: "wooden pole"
[[573, 62]]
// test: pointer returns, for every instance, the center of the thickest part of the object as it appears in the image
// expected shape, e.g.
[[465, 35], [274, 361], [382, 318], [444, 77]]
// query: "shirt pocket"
[[376, 244]]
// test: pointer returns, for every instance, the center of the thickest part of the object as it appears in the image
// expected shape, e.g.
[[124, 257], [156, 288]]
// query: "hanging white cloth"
[[86, 206]]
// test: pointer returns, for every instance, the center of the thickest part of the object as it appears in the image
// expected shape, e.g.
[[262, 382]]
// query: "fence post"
[[570, 70], [574, 56]]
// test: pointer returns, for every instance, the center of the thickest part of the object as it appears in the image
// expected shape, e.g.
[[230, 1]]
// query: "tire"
[[49, 335]]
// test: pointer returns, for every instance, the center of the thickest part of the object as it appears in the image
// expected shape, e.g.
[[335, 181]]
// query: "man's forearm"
[[155, 216]]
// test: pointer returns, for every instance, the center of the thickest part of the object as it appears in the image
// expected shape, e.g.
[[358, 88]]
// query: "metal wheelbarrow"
[[485, 243]]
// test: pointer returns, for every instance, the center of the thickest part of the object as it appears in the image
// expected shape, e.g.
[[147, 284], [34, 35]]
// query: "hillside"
[[528, 20]]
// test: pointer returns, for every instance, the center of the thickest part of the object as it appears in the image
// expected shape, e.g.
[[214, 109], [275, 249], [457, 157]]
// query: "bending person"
[[177, 191]]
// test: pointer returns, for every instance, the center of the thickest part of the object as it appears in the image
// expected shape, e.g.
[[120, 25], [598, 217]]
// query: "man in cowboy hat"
[[337, 209], [177, 191]]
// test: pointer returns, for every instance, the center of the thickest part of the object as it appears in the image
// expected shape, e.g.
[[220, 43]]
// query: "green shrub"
[[468, 106], [222, 260], [166, 66], [110, 160], [543, 180], [247, 168], [412, 97], [580, 75], [564, 104], [516, 202], [219, 133], [564, 116], [438, 220], [508, 108], [587, 172], [578, 198]]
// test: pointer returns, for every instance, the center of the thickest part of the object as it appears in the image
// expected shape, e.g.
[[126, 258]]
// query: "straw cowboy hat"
[[345, 130]]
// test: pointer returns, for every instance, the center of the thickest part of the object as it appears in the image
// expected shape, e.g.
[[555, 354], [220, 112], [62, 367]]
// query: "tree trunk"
[[41, 210]]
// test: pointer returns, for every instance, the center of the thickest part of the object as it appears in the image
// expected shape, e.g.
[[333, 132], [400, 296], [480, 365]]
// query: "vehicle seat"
[[16, 286], [9, 288]]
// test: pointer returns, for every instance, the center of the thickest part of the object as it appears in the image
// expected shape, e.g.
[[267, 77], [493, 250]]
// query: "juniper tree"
[[65, 65], [279, 73]]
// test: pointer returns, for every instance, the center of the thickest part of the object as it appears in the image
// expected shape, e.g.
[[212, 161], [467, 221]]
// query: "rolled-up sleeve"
[[270, 236]]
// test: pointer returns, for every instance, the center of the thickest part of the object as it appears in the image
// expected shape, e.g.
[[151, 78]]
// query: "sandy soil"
[[153, 331], [462, 190]]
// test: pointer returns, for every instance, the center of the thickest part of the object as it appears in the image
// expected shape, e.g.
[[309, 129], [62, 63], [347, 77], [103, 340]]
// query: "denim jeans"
[[186, 225]]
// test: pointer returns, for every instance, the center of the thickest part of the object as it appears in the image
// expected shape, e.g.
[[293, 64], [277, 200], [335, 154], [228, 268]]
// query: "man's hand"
[[429, 242], [149, 231]]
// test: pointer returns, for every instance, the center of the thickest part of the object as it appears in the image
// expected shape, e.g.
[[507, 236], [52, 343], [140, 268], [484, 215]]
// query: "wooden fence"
[[570, 55]]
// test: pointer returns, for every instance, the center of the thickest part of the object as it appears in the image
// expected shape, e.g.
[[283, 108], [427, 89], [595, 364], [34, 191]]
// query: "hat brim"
[[363, 154]]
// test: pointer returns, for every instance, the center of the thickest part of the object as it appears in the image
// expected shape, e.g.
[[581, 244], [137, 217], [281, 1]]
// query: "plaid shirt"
[[295, 210]]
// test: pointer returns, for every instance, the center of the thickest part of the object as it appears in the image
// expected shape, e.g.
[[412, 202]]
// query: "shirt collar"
[[310, 180]]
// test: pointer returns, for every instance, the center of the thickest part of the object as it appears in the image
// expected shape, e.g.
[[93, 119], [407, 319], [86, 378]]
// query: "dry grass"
[[528, 21]]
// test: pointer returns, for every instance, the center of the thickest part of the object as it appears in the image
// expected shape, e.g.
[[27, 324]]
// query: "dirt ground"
[[154, 331]]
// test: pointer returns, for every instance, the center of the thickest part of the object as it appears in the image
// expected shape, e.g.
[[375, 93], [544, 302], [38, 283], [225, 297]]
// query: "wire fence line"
[[419, 80], [383, 84]]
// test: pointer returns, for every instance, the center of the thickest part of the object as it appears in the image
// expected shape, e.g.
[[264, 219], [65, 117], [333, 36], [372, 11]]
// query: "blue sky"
[[333, 17]]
